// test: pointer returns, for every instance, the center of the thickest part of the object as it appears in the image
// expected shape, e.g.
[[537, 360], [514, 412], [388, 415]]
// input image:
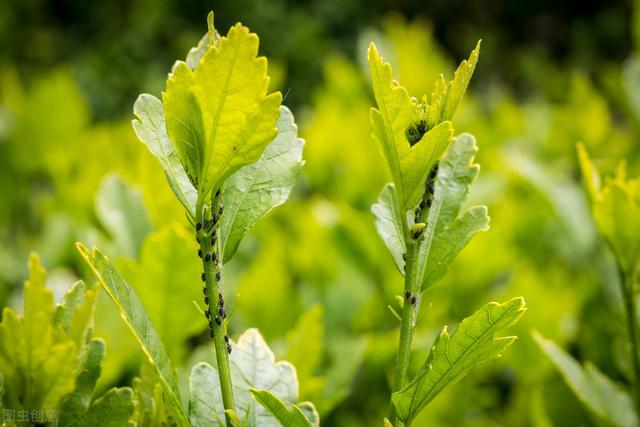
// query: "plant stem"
[[407, 326], [629, 297], [212, 265]]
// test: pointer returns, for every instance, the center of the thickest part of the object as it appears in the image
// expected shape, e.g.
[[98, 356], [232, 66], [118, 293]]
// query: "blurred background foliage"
[[314, 276]]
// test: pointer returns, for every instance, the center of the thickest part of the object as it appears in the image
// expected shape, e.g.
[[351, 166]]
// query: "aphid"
[[207, 257], [413, 300], [215, 219], [218, 321], [218, 193], [404, 257], [198, 226], [210, 324], [221, 210], [213, 239], [229, 348], [226, 339], [200, 253], [206, 300], [221, 312], [207, 313], [204, 290], [220, 300], [429, 202], [430, 187], [408, 294], [423, 204], [218, 276], [434, 171], [211, 333], [203, 277], [215, 257]]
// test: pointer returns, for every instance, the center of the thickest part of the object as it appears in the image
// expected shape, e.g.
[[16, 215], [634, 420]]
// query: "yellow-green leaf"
[[452, 356], [409, 164], [219, 115]]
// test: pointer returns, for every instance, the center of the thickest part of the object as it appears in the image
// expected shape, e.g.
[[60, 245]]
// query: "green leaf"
[[389, 224], [448, 232], [255, 189], [409, 164], [219, 115], [616, 208], [120, 209], [112, 409], [36, 345], [136, 318], [75, 312], [151, 408], [253, 366], [168, 263], [77, 403], [287, 416], [452, 356], [151, 129], [606, 400], [458, 86]]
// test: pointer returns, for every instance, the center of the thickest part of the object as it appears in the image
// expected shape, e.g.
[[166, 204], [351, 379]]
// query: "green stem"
[[212, 265], [407, 326], [627, 283]]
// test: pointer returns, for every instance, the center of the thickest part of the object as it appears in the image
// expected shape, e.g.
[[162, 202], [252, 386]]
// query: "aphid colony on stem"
[[206, 235]]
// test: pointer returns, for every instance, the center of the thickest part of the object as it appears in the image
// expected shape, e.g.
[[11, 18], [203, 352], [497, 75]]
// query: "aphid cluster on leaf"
[[427, 198], [416, 131]]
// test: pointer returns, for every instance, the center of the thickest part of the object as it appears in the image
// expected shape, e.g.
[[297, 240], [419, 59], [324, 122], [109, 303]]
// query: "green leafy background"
[[314, 276]]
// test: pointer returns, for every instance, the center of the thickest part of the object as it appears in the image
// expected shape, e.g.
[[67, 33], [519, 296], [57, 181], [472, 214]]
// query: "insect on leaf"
[[409, 164], [452, 356], [254, 190], [606, 400], [137, 319], [448, 232]]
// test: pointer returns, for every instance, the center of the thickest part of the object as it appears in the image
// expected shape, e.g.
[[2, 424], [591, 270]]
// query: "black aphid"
[[206, 300], [226, 339], [429, 202], [198, 226], [200, 253], [218, 321], [413, 300], [229, 348], [218, 276], [207, 257], [221, 210], [214, 257], [407, 294], [204, 290], [203, 277], [213, 240], [207, 313], [211, 333], [404, 257]]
